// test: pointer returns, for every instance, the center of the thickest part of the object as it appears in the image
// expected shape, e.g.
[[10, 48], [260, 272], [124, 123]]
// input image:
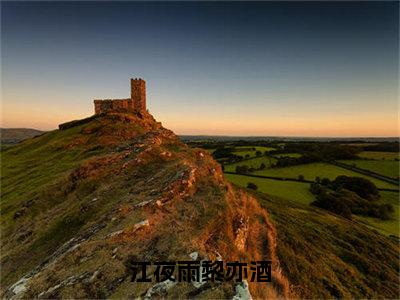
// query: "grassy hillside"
[[42, 203], [299, 192], [78, 204], [326, 256], [387, 227]]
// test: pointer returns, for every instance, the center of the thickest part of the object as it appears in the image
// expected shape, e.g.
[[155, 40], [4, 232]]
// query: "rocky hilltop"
[[79, 203]]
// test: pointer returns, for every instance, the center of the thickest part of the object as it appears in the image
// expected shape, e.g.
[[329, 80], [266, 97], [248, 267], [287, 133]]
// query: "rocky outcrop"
[[160, 289], [17, 289], [242, 291], [241, 233]]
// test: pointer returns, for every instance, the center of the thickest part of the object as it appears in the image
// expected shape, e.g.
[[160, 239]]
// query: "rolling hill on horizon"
[[16, 135]]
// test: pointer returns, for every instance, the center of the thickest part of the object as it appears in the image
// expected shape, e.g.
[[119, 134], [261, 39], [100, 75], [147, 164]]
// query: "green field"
[[254, 162], [299, 192], [379, 155], [296, 191], [385, 227], [310, 171], [245, 150], [388, 168], [295, 155]]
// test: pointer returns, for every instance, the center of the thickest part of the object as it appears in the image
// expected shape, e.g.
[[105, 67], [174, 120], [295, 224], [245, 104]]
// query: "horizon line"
[[292, 136], [248, 136]]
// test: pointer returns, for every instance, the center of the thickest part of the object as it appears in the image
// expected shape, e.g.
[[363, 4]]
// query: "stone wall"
[[136, 103], [113, 105]]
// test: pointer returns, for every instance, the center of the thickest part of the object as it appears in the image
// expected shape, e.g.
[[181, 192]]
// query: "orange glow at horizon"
[[335, 125]]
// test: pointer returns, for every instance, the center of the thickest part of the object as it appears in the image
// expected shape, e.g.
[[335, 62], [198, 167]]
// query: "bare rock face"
[[131, 190], [242, 291], [241, 233], [160, 289]]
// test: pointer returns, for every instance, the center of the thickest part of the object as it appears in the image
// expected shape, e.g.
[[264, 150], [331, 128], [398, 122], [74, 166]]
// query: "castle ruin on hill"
[[136, 103]]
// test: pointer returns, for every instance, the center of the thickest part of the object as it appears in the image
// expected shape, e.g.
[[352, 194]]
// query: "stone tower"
[[136, 103], [138, 94]]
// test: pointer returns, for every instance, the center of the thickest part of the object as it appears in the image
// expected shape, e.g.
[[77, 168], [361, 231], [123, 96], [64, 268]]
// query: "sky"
[[214, 68]]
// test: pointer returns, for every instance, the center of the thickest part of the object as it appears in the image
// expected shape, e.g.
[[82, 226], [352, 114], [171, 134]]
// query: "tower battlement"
[[137, 102]]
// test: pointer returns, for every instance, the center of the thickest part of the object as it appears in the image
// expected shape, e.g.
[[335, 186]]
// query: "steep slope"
[[327, 256], [79, 203]]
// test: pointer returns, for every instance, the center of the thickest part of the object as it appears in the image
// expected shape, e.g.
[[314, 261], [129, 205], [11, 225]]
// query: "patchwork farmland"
[[287, 170]]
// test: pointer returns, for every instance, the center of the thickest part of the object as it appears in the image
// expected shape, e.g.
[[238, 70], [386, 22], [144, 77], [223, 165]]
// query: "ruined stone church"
[[136, 103]]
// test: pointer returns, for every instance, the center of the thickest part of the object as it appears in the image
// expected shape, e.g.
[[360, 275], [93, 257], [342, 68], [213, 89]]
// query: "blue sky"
[[232, 68]]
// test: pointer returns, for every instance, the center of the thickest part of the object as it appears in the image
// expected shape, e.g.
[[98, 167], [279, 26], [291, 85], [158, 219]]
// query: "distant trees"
[[350, 195], [286, 161], [226, 154], [361, 186], [385, 147], [325, 181], [314, 152], [252, 186], [222, 152], [323, 151], [333, 203], [384, 211], [242, 169]]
